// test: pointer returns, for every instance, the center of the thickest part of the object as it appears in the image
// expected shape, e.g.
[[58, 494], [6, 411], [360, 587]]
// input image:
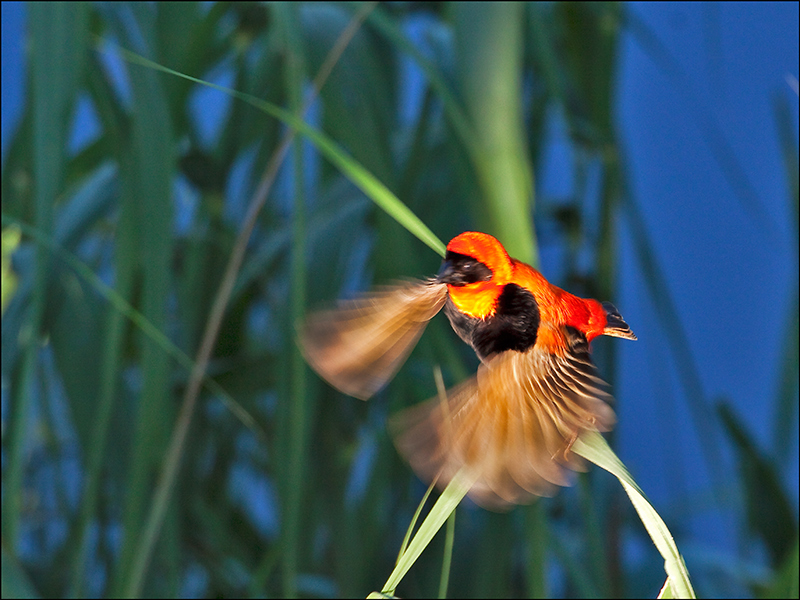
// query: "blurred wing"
[[512, 424], [360, 345]]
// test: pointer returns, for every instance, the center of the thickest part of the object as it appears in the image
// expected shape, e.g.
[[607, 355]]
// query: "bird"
[[512, 425]]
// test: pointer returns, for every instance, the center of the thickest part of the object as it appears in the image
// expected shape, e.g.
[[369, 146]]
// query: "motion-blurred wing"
[[512, 425], [360, 345]]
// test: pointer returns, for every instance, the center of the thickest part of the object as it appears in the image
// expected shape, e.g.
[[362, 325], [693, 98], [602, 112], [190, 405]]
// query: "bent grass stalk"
[[593, 447]]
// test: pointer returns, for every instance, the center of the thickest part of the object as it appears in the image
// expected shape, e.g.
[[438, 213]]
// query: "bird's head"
[[474, 257]]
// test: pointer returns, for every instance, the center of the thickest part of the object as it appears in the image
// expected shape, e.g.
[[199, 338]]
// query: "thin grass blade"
[[446, 504], [361, 177], [594, 448]]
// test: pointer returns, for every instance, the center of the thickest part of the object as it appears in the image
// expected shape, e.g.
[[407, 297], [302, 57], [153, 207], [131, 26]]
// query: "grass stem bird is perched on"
[[536, 390]]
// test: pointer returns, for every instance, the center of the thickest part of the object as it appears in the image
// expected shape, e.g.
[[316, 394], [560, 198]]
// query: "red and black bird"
[[536, 390]]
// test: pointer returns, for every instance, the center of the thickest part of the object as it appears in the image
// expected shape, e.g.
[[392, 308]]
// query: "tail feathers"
[[615, 324]]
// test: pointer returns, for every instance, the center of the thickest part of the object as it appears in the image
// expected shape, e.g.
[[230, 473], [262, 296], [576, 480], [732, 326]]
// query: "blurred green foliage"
[[298, 490]]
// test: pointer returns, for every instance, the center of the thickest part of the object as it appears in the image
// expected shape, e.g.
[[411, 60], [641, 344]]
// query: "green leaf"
[[446, 504], [488, 40], [593, 447], [361, 177], [769, 510], [58, 53], [786, 583]]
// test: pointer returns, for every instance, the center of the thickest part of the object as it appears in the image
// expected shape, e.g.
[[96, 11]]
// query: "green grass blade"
[[353, 170], [414, 519], [146, 217], [786, 400], [297, 400], [448, 555], [437, 375], [593, 447], [58, 52], [122, 306], [446, 504], [769, 509], [667, 591], [97, 451], [537, 536], [488, 41], [451, 521], [160, 340], [786, 580]]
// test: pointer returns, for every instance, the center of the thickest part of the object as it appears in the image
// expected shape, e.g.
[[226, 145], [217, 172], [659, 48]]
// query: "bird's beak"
[[447, 273]]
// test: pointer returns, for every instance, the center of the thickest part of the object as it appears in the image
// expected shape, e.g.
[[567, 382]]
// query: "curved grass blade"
[[448, 550], [353, 170], [445, 505], [593, 447], [414, 520]]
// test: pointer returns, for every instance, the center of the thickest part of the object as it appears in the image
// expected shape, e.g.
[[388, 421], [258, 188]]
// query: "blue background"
[[697, 116]]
